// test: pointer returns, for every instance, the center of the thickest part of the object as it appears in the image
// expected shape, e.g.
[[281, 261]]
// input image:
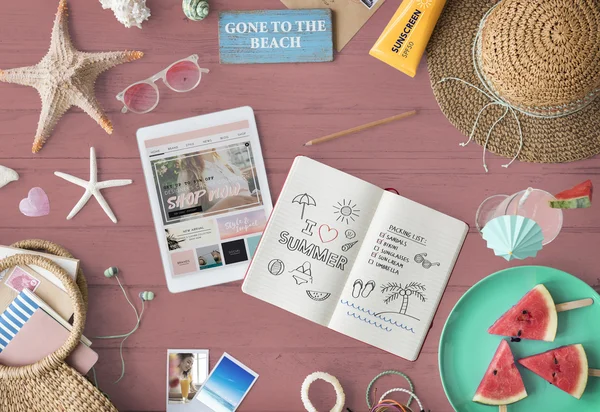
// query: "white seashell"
[[7, 175], [128, 12]]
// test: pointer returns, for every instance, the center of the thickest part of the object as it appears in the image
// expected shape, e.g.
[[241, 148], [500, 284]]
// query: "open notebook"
[[353, 257]]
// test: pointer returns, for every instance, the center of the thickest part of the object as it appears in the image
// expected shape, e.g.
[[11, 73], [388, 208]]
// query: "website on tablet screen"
[[209, 195]]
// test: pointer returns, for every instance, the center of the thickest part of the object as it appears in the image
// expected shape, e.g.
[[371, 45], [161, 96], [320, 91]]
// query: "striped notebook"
[[15, 317], [28, 334]]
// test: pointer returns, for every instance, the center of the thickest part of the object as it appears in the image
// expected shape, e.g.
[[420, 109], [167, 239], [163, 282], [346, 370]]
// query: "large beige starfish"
[[65, 77]]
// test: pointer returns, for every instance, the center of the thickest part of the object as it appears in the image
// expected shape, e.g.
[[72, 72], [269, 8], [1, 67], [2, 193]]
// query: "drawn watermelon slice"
[[578, 197], [565, 367], [318, 296], [502, 383], [533, 317]]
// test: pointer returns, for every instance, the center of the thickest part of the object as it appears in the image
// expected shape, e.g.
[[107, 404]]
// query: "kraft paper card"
[[348, 16]]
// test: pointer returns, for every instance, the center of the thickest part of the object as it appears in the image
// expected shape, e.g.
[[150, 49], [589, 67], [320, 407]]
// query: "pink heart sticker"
[[36, 203], [327, 233]]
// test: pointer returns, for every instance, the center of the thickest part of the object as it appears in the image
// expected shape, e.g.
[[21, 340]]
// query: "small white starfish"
[[93, 187]]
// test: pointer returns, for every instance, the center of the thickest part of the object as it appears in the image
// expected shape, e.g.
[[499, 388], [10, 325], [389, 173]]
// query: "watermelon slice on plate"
[[565, 367], [502, 383], [579, 197], [533, 317]]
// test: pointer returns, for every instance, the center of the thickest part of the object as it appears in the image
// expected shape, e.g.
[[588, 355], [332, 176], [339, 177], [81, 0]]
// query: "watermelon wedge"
[[502, 383], [533, 317], [578, 197], [565, 367]]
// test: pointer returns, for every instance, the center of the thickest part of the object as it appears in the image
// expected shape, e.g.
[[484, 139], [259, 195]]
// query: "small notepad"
[[355, 258], [28, 334]]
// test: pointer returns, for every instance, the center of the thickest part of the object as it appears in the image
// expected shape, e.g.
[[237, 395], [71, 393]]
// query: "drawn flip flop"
[[369, 286], [356, 288]]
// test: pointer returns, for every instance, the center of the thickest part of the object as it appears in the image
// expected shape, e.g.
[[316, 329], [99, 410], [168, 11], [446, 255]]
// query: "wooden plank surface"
[[419, 156]]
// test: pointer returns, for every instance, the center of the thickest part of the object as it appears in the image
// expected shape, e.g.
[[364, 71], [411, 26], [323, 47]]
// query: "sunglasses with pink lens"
[[182, 76]]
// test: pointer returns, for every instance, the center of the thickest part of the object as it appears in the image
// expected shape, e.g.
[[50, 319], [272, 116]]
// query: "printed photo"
[[209, 257], [207, 183], [186, 372], [19, 280], [369, 3], [226, 387]]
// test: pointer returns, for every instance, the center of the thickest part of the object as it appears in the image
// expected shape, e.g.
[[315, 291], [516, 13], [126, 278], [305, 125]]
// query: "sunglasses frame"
[[162, 75], [420, 259]]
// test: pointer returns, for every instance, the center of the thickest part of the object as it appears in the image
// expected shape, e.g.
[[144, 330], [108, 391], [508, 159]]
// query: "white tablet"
[[209, 195]]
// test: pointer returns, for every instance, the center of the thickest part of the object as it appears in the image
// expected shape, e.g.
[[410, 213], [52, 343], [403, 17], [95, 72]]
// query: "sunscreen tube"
[[402, 43]]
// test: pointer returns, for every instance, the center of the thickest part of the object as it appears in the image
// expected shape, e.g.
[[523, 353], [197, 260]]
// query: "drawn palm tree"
[[396, 290]]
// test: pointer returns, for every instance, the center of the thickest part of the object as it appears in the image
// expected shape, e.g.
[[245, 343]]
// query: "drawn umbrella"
[[305, 200]]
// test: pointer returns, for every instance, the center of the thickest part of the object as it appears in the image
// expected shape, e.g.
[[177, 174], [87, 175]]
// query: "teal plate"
[[466, 348]]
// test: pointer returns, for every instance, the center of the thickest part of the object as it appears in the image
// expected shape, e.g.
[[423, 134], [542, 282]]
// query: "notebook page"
[[312, 239], [399, 276]]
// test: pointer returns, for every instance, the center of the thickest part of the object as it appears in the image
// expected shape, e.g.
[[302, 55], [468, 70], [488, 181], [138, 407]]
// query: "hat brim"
[[449, 54]]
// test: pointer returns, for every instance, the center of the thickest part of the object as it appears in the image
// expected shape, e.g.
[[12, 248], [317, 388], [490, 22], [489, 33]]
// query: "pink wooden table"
[[293, 103]]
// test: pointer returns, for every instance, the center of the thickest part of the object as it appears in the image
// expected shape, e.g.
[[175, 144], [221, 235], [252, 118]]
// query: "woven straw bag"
[[50, 385]]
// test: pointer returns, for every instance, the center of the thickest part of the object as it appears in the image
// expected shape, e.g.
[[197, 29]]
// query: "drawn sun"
[[425, 4], [346, 211]]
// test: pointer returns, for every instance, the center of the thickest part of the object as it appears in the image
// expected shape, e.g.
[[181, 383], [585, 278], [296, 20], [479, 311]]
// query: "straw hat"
[[522, 74]]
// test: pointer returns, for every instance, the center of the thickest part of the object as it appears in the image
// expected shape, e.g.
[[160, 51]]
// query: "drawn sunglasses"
[[420, 258], [182, 76]]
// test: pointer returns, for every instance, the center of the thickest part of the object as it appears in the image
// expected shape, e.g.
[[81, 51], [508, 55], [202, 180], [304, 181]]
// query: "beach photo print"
[[187, 370], [226, 386]]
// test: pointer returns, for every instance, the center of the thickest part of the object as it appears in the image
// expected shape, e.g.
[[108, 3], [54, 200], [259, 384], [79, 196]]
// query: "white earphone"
[[145, 296]]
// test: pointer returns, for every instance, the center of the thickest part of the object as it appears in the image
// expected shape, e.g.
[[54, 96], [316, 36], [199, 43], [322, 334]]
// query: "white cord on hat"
[[498, 101]]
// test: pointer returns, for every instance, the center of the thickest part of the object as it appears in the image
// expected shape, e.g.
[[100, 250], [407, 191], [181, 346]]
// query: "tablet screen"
[[210, 199]]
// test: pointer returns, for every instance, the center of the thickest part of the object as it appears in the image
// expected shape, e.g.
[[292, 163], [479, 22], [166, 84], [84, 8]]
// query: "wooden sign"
[[275, 36]]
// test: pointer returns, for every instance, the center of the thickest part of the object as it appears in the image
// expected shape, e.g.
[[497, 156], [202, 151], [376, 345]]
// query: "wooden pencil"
[[360, 128]]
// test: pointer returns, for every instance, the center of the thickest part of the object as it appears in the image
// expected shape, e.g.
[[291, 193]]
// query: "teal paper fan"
[[513, 237]]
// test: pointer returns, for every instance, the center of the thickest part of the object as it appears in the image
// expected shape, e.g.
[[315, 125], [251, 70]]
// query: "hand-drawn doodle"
[[369, 287], [372, 313], [309, 227], [327, 233], [303, 274], [357, 287], [395, 291], [318, 296], [346, 211], [370, 322], [420, 258], [348, 246], [304, 199], [350, 234], [276, 267]]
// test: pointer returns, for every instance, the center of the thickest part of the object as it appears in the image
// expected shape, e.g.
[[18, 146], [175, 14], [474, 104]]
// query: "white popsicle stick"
[[576, 304]]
